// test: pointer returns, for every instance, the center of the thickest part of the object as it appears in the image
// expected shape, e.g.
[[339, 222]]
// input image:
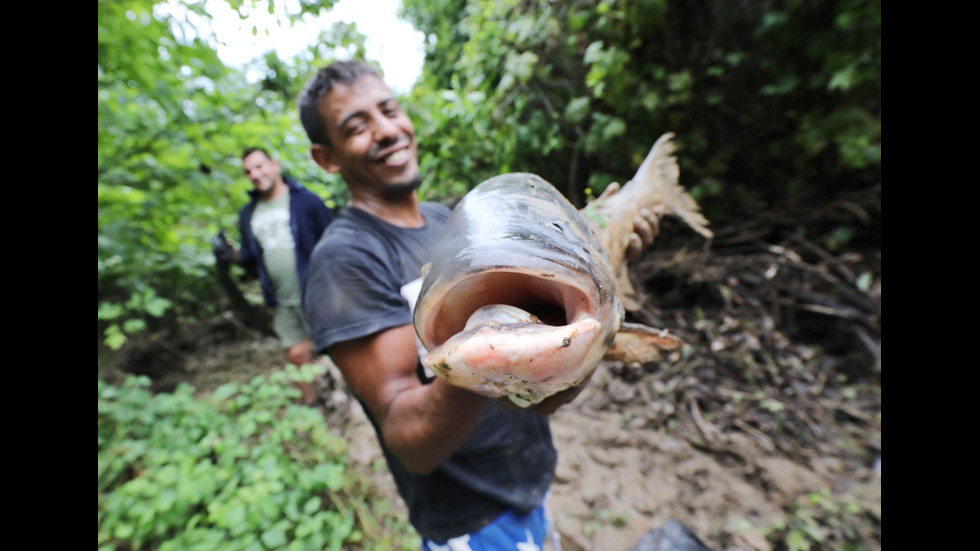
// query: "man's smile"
[[397, 158]]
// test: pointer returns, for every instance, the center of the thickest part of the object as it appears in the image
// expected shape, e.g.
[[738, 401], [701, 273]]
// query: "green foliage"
[[173, 121], [768, 100], [245, 469], [821, 520], [140, 303]]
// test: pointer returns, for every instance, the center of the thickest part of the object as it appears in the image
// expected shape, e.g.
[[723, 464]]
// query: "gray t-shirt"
[[270, 224], [356, 286], [357, 272]]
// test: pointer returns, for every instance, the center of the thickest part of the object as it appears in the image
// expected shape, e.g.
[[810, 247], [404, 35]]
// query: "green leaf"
[[772, 406], [593, 52], [124, 531], [274, 538], [114, 337], [864, 281], [577, 110], [157, 306], [236, 519], [134, 325], [224, 391], [783, 86], [579, 20], [521, 66], [843, 79], [109, 310], [650, 101], [614, 128], [313, 505]]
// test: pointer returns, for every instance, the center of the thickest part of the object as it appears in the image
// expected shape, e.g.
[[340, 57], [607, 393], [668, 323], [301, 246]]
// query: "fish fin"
[[638, 343], [661, 165]]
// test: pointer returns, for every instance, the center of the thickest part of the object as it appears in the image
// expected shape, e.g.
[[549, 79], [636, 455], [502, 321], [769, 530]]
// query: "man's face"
[[372, 141], [262, 171]]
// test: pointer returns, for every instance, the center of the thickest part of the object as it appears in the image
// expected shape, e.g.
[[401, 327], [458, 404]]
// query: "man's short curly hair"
[[339, 72], [249, 150]]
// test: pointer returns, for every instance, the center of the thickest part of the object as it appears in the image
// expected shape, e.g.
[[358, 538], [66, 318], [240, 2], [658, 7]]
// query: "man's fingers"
[[634, 248], [643, 229], [653, 215], [646, 227]]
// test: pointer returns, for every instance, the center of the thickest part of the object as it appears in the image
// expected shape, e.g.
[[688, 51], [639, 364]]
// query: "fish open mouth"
[[512, 333], [548, 298]]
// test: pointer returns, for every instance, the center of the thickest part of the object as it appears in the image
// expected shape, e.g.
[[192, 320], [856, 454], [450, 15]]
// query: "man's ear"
[[324, 157]]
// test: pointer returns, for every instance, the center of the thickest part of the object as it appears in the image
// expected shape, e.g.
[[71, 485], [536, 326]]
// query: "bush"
[[244, 469]]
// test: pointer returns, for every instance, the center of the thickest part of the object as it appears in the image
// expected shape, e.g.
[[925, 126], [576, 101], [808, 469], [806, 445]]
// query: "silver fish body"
[[523, 294]]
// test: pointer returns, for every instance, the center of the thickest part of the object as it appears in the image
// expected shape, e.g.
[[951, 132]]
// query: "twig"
[[823, 305], [855, 413], [826, 256], [782, 251], [710, 432], [839, 311], [874, 346], [760, 436]]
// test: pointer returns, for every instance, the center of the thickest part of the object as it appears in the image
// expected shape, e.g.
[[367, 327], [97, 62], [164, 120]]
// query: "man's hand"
[[223, 251], [646, 224], [646, 227]]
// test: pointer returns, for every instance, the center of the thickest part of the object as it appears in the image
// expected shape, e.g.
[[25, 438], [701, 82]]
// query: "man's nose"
[[385, 129]]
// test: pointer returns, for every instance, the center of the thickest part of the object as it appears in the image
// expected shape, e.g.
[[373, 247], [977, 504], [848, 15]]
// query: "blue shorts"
[[511, 531]]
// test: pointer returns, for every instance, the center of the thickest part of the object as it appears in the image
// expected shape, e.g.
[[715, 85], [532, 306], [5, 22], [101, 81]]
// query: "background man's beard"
[[402, 189]]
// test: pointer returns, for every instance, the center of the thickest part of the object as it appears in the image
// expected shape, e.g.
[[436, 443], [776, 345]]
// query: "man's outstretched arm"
[[422, 425]]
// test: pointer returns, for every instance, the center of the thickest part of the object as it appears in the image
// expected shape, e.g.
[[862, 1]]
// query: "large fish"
[[520, 298]]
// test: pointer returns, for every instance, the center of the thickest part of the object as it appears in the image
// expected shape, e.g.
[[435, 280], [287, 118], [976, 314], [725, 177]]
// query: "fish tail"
[[659, 177]]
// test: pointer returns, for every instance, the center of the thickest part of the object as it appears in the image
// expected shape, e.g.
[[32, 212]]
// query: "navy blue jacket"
[[308, 217]]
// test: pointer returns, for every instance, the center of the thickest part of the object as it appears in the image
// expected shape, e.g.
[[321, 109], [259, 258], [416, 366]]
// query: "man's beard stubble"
[[398, 190]]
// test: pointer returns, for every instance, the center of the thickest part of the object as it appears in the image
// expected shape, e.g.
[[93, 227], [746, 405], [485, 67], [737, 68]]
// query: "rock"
[[674, 536]]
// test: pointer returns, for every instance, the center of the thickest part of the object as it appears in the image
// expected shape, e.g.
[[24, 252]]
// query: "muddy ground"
[[762, 433]]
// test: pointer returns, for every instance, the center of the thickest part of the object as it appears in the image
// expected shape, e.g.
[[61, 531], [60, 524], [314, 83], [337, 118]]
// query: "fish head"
[[514, 244]]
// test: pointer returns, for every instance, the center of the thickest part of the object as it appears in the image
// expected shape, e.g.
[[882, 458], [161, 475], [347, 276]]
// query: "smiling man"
[[474, 474], [363, 134]]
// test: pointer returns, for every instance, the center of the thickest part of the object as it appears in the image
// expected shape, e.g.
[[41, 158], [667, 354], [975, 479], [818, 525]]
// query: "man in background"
[[279, 228]]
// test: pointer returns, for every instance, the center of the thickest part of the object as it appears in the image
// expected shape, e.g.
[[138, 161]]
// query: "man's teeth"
[[397, 157]]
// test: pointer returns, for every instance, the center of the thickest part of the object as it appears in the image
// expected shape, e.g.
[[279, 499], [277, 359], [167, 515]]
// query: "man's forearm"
[[427, 424]]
